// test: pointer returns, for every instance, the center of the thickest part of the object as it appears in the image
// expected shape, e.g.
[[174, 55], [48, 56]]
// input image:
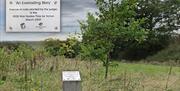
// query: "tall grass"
[[26, 69], [122, 77]]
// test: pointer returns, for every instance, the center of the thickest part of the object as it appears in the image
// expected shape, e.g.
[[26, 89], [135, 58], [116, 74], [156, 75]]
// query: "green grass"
[[121, 77], [145, 68]]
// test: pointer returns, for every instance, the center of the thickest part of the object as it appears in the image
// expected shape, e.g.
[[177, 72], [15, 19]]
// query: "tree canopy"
[[115, 22]]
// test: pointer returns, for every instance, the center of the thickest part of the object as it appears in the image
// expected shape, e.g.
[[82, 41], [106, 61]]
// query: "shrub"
[[69, 48], [171, 53]]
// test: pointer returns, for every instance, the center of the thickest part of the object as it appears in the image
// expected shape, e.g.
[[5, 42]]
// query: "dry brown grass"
[[123, 77]]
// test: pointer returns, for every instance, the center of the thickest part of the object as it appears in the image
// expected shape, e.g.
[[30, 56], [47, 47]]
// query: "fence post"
[[71, 81]]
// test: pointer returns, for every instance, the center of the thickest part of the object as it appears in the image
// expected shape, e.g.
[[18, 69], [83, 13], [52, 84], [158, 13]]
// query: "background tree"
[[162, 17]]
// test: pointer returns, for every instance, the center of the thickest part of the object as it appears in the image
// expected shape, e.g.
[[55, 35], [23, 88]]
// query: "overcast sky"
[[71, 12]]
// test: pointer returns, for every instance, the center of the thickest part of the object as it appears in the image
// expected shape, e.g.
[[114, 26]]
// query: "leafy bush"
[[69, 48], [171, 53], [10, 46], [21, 58], [53, 47]]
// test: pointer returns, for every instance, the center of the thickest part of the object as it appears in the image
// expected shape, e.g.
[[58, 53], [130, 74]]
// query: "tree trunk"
[[106, 68]]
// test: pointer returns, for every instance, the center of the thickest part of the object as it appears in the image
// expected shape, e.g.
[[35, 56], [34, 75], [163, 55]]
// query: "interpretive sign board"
[[32, 15], [71, 76], [71, 81]]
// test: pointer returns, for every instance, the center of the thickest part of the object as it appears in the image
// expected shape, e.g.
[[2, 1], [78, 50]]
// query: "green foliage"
[[122, 75], [25, 52], [171, 54], [9, 45], [53, 46], [21, 58], [115, 22], [89, 52], [69, 48], [161, 19], [165, 13]]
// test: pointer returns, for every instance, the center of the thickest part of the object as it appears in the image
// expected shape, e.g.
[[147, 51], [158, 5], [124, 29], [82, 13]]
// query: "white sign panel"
[[71, 76], [32, 15]]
